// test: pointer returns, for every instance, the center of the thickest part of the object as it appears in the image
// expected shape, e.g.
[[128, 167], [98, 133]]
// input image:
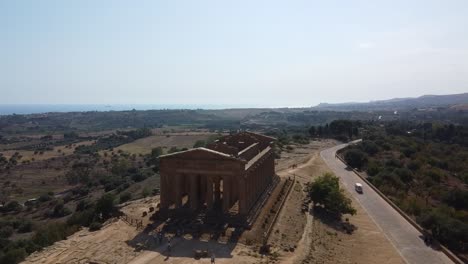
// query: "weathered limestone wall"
[[224, 148], [250, 152], [238, 168], [192, 177]]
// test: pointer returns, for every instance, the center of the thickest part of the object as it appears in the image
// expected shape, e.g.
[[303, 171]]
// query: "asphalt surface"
[[407, 239]]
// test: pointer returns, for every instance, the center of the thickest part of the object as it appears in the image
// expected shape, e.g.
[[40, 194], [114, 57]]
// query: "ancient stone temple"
[[228, 177]]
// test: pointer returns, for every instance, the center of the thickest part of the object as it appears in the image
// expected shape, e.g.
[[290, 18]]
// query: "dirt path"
[[327, 243], [311, 168]]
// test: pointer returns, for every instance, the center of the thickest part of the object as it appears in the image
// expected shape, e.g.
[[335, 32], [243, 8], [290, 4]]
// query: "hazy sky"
[[265, 53]]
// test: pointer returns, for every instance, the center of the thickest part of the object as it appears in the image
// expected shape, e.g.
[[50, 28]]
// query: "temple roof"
[[200, 153], [260, 135]]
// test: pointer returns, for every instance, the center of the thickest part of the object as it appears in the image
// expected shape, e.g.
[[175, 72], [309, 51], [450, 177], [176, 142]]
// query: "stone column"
[[242, 196], [178, 190], [193, 192], [233, 191], [251, 185], [260, 179], [163, 197], [217, 190], [202, 189], [248, 190], [258, 185], [226, 194], [209, 193]]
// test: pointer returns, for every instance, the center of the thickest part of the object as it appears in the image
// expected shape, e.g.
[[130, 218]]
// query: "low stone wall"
[[257, 208], [285, 197]]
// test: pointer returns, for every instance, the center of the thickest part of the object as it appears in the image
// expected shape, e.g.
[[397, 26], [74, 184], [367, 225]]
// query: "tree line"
[[422, 167]]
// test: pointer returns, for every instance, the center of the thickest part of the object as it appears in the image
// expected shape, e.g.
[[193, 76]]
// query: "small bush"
[[6, 231], [94, 226], [355, 158], [124, 197]]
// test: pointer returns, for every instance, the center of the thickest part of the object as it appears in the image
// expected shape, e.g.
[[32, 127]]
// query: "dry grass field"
[[179, 140], [34, 179], [57, 151]]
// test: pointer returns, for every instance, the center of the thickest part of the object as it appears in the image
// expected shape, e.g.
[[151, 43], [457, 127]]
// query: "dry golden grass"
[[56, 152], [145, 145]]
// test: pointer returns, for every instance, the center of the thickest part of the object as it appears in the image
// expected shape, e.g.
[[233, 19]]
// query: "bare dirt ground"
[[296, 238]]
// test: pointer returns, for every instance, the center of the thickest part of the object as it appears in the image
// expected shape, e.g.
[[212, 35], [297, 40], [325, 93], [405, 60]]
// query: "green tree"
[[120, 167], [173, 149], [325, 190], [369, 147], [14, 255], [124, 197], [199, 143], [6, 231], [156, 152], [355, 158], [12, 206], [312, 131], [105, 205], [70, 135]]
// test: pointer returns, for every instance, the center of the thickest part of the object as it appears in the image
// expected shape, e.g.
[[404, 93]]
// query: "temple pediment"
[[200, 153]]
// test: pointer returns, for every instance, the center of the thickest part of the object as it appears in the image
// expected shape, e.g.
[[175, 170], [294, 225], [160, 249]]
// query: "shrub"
[[199, 143], [94, 226], [145, 192], [82, 218], [355, 158], [156, 152], [60, 210], [138, 177], [414, 165], [369, 147], [14, 255], [405, 174], [457, 198], [25, 226], [373, 168], [393, 163], [408, 151], [51, 233], [6, 231], [12, 206], [124, 197], [173, 149], [105, 205], [45, 197]]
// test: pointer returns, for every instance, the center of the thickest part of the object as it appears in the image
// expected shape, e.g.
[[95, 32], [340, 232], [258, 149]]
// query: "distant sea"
[[22, 109]]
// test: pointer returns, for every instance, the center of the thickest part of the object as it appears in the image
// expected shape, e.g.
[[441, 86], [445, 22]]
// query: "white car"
[[358, 187]]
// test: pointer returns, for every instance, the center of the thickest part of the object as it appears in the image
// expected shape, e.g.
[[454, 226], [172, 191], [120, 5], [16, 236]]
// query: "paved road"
[[406, 239]]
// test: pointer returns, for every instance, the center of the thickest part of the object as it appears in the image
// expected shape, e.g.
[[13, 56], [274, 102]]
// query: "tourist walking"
[[169, 248]]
